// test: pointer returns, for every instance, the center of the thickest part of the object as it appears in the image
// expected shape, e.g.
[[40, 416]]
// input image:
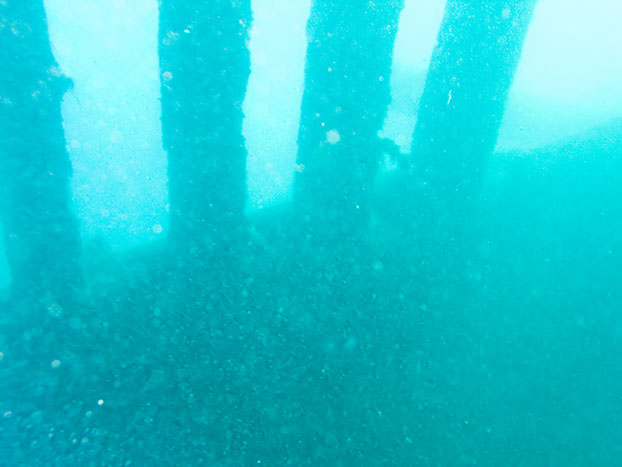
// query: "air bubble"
[[333, 136]]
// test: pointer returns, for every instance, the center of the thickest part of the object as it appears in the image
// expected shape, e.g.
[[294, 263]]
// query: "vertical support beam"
[[472, 67], [205, 66], [40, 229], [344, 104]]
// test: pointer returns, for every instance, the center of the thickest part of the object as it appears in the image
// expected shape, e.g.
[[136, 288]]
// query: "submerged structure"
[[458, 308]]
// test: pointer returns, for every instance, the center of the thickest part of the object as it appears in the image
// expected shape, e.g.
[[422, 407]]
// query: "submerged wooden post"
[[40, 229], [205, 66], [345, 100], [471, 71], [460, 112]]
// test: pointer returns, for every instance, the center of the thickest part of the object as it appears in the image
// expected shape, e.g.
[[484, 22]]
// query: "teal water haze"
[[310, 233]]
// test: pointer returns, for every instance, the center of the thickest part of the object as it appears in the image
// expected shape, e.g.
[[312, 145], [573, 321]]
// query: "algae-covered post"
[[472, 67], [40, 229], [345, 100], [204, 70], [478, 48]]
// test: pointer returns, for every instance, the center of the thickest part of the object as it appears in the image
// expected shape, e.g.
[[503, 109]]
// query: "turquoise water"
[[322, 233]]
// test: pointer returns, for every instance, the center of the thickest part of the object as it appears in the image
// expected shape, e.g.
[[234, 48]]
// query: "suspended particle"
[[55, 310], [333, 137], [167, 76], [350, 344], [55, 363], [157, 229], [55, 71]]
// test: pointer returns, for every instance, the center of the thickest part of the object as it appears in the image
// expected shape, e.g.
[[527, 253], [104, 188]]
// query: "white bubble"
[[100, 402], [333, 136], [55, 363], [167, 76]]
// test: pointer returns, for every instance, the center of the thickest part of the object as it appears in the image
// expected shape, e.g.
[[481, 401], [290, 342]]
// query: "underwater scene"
[[310, 233]]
